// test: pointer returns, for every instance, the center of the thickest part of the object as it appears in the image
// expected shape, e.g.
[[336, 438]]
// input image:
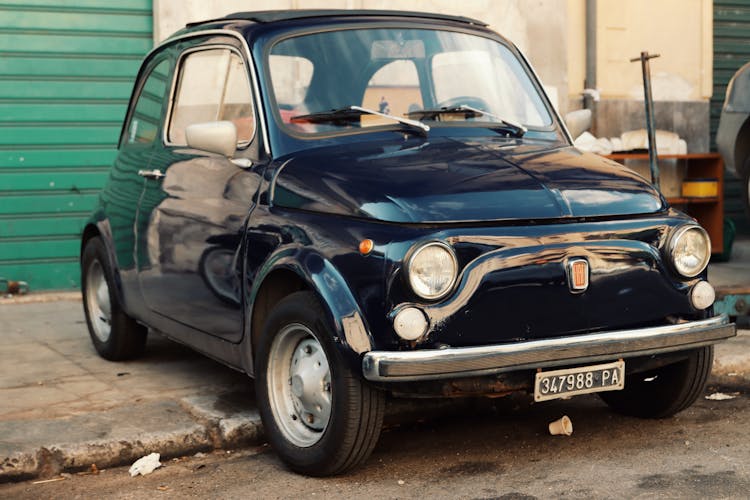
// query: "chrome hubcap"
[[299, 385], [97, 301]]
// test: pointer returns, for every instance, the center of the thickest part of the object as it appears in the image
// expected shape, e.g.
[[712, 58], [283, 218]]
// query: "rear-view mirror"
[[214, 137], [390, 49]]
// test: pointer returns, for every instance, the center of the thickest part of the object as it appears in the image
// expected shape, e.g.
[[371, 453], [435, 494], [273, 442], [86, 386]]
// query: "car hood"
[[448, 180]]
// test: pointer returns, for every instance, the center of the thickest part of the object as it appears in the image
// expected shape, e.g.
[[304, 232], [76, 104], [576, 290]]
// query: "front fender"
[[344, 316]]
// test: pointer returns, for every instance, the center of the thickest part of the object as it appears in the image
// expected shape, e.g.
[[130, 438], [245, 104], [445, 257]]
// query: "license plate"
[[583, 380]]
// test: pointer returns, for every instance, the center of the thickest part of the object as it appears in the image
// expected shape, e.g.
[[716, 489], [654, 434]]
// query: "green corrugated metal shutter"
[[731, 50], [66, 73]]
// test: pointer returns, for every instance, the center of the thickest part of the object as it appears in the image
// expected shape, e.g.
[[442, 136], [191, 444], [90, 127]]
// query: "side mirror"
[[214, 137]]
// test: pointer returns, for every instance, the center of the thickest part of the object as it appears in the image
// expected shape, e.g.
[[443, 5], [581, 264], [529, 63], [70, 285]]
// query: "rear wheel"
[[319, 416], [116, 336], [666, 390]]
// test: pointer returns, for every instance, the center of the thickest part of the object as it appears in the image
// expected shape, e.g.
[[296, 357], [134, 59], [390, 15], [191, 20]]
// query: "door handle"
[[152, 174]]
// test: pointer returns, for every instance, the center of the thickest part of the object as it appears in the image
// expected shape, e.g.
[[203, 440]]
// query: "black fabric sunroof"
[[270, 16]]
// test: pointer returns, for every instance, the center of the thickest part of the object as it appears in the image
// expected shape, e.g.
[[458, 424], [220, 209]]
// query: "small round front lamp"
[[690, 250], [410, 323], [702, 295]]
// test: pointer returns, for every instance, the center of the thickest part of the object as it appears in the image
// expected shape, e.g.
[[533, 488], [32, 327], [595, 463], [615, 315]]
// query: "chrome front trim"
[[677, 233], [412, 253], [397, 366]]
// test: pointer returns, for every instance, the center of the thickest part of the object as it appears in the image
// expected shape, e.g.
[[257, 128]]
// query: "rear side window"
[[212, 86], [144, 122]]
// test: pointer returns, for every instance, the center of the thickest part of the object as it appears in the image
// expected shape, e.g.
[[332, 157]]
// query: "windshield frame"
[[555, 131]]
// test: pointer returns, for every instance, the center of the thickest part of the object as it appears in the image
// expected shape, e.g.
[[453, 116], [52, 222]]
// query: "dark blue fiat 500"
[[348, 203]]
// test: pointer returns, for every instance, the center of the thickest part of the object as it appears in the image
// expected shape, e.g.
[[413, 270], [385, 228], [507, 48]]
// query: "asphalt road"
[[487, 449]]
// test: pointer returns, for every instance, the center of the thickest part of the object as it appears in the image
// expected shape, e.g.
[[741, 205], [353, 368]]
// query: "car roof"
[[272, 16]]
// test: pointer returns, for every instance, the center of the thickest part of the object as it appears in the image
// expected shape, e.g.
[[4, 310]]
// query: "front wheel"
[[319, 416], [664, 391]]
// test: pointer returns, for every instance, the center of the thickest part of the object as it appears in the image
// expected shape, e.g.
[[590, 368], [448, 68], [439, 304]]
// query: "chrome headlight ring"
[[689, 250], [432, 270]]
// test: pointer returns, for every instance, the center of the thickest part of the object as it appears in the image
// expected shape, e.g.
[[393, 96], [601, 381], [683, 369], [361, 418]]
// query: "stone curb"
[[194, 428], [204, 428], [36, 298], [232, 428]]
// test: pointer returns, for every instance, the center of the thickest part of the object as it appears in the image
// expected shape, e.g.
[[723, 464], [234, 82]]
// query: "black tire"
[[665, 391], [116, 336], [322, 447]]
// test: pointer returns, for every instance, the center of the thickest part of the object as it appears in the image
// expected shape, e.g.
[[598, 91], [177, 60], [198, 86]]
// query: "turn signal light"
[[366, 246]]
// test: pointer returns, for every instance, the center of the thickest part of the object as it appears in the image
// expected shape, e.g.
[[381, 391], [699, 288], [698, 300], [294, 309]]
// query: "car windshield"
[[427, 75]]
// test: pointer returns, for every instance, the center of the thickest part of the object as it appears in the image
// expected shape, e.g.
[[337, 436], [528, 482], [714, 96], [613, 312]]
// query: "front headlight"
[[432, 270], [690, 250]]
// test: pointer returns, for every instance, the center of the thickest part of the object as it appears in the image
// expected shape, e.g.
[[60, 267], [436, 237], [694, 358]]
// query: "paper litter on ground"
[[145, 465], [720, 396]]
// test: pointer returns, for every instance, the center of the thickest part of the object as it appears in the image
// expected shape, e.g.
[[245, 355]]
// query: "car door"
[[195, 204], [120, 196]]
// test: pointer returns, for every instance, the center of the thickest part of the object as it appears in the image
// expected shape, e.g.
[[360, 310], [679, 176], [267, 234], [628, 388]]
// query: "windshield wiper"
[[471, 112], [351, 113]]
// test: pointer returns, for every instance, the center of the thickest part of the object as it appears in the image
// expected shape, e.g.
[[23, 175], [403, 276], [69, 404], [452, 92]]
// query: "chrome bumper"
[[397, 366]]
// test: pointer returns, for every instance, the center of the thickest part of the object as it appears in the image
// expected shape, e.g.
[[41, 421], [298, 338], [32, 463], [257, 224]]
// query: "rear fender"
[[100, 227]]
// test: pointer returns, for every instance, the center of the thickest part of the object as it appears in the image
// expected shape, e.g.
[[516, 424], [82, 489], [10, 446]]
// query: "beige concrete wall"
[[680, 31], [552, 35], [538, 27]]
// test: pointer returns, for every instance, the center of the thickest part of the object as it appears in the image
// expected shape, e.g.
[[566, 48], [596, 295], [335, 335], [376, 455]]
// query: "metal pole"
[[589, 102], [590, 82], [650, 127]]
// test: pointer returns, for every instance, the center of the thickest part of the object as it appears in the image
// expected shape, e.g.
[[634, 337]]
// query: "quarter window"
[[212, 86], [144, 122]]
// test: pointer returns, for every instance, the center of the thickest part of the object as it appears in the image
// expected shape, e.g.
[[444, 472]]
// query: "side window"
[[393, 89], [144, 122], [212, 86]]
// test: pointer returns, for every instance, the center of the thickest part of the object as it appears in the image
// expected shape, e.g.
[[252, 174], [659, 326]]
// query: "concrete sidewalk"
[[62, 408]]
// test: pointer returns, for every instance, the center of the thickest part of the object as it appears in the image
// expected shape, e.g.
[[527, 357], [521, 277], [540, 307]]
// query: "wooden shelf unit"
[[708, 211]]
